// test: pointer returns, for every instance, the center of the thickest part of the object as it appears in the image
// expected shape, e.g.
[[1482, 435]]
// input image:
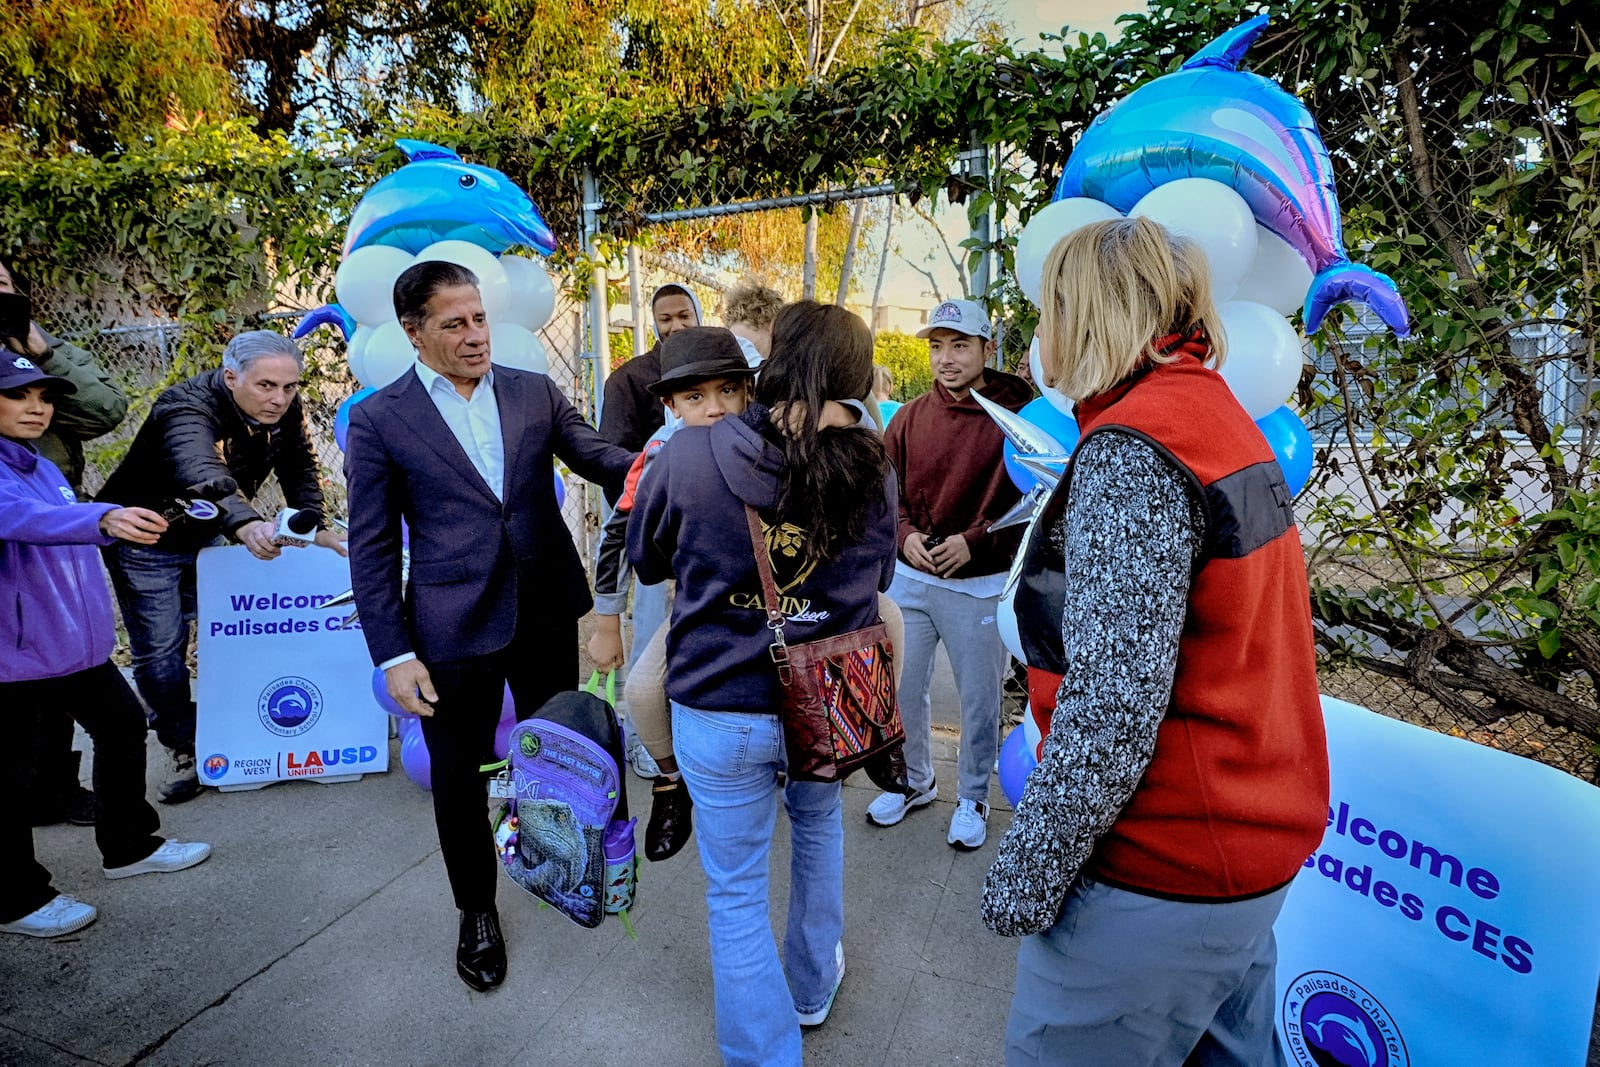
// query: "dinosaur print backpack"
[[564, 834]]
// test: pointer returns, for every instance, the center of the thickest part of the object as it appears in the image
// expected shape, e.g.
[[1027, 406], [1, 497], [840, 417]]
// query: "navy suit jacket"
[[472, 557]]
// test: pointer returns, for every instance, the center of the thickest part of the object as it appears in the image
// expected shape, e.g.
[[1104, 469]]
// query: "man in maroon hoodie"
[[953, 485]]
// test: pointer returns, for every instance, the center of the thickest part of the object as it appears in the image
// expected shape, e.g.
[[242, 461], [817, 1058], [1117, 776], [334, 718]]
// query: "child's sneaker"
[[969, 825], [60, 915], [171, 856], [890, 808]]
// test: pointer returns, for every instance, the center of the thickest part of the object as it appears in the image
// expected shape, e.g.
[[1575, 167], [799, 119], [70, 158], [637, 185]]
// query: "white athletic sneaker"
[[969, 825], [62, 915], [171, 856], [644, 765], [820, 1016], [890, 808]]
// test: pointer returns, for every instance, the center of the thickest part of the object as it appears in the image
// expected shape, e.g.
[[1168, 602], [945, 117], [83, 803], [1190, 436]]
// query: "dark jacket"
[[689, 522], [629, 412], [97, 408], [195, 434], [952, 480], [472, 557], [56, 618]]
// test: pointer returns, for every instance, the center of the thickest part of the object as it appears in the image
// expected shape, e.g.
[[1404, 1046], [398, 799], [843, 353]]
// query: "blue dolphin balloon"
[[438, 197], [1209, 119]]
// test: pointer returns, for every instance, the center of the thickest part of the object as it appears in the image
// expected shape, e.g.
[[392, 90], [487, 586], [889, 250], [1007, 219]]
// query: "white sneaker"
[[644, 765], [171, 856], [969, 825], [820, 1016], [890, 808], [62, 915]]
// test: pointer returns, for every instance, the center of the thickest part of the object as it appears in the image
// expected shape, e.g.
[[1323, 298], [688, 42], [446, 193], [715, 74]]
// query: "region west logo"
[[1330, 1021], [215, 766], [290, 706]]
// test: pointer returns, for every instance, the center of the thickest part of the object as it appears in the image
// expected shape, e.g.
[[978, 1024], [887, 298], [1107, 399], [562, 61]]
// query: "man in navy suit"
[[462, 453]]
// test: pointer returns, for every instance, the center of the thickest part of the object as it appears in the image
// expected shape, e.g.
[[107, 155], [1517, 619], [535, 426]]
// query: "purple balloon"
[[380, 693], [414, 757], [502, 730], [561, 491]]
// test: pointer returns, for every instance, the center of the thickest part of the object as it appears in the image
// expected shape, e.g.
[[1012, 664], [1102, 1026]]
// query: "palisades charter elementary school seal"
[[290, 706], [1330, 1021]]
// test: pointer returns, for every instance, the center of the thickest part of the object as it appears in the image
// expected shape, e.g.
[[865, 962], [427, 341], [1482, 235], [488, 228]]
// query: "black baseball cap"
[[16, 372], [697, 353]]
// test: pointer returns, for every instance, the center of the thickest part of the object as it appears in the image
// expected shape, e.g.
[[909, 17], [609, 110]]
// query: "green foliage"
[[906, 358]]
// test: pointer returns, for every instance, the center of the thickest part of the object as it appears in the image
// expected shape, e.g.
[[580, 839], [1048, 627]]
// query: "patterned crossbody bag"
[[840, 711]]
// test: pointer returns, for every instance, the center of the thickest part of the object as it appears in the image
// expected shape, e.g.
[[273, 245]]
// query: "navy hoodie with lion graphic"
[[688, 522]]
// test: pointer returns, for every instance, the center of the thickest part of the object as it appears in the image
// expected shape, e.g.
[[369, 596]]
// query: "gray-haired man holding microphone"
[[212, 439]]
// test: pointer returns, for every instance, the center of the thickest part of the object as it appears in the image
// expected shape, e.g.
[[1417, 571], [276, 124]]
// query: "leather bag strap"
[[779, 649]]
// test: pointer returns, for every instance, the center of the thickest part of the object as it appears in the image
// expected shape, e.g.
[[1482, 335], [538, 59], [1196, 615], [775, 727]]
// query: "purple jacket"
[[55, 606]]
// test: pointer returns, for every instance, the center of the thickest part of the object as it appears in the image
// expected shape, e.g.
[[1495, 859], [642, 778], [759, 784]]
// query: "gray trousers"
[[966, 625], [1127, 980]]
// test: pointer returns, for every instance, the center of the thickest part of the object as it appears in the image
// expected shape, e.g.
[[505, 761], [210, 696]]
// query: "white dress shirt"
[[475, 422]]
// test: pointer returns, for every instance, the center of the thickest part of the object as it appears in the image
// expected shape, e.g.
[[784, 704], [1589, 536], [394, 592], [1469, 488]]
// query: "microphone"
[[296, 527], [198, 502]]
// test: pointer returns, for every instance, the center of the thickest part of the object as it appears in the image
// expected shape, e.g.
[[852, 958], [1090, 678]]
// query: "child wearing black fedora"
[[704, 377]]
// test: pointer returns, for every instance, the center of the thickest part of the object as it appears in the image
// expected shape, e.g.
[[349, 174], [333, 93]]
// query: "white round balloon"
[[1005, 618], [355, 352], [515, 347], [1278, 277], [387, 355], [1047, 227], [1214, 217], [365, 281], [533, 294], [493, 286], [1058, 400], [1264, 356]]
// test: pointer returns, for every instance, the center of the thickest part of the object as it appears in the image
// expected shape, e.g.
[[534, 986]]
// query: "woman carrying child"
[[824, 491]]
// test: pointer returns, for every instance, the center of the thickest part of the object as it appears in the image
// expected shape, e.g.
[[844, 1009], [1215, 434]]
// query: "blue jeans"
[[730, 761], [155, 589]]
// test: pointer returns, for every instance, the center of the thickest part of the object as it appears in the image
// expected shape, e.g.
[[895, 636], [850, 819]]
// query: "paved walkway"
[[321, 931]]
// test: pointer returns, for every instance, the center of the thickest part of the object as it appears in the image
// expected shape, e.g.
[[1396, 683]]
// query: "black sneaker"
[[182, 782]]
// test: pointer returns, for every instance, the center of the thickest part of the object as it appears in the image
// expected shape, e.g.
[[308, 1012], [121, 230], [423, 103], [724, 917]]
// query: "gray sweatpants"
[[1128, 980], [966, 625]]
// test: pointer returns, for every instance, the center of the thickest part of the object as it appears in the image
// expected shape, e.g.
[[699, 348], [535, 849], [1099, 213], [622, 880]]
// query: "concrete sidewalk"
[[321, 930]]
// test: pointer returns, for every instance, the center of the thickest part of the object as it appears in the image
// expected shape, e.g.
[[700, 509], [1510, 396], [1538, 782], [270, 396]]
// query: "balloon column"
[[438, 207], [1234, 163]]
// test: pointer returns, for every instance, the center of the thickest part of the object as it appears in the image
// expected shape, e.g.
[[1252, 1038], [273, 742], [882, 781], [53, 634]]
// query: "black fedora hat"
[[697, 353]]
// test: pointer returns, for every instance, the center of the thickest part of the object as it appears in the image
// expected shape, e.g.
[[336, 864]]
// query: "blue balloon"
[[436, 197], [341, 418], [1208, 119], [414, 758], [561, 491], [1291, 445], [380, 693], [1016, 763], [1051, 420]]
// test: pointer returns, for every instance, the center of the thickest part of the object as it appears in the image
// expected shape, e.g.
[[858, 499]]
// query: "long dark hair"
[[832, 478]]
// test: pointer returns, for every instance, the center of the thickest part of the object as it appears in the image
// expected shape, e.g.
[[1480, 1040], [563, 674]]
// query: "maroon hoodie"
[[952, 477]]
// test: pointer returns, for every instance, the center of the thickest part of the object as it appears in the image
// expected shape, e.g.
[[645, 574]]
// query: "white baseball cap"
[[962, 316]]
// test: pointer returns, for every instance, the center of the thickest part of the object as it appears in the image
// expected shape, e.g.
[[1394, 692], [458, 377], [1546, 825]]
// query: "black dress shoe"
[[670, 819], [481, 952]]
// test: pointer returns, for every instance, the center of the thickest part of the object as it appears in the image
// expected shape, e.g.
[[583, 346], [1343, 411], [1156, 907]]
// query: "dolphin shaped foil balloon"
[[1209, 119], [437, 196]]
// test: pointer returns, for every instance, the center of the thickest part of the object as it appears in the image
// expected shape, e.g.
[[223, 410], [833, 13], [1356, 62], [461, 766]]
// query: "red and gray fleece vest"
[[1235, 797]]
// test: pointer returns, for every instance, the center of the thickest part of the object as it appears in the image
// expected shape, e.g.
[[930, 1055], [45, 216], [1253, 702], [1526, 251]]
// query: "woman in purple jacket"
[[57, 633]]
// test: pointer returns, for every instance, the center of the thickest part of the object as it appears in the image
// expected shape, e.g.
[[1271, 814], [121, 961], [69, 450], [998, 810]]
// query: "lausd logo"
[[290, 706], [1333, 1022], [215, 766]]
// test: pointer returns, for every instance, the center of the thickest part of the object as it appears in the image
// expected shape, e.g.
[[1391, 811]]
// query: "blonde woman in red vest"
[[1185, 777]]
